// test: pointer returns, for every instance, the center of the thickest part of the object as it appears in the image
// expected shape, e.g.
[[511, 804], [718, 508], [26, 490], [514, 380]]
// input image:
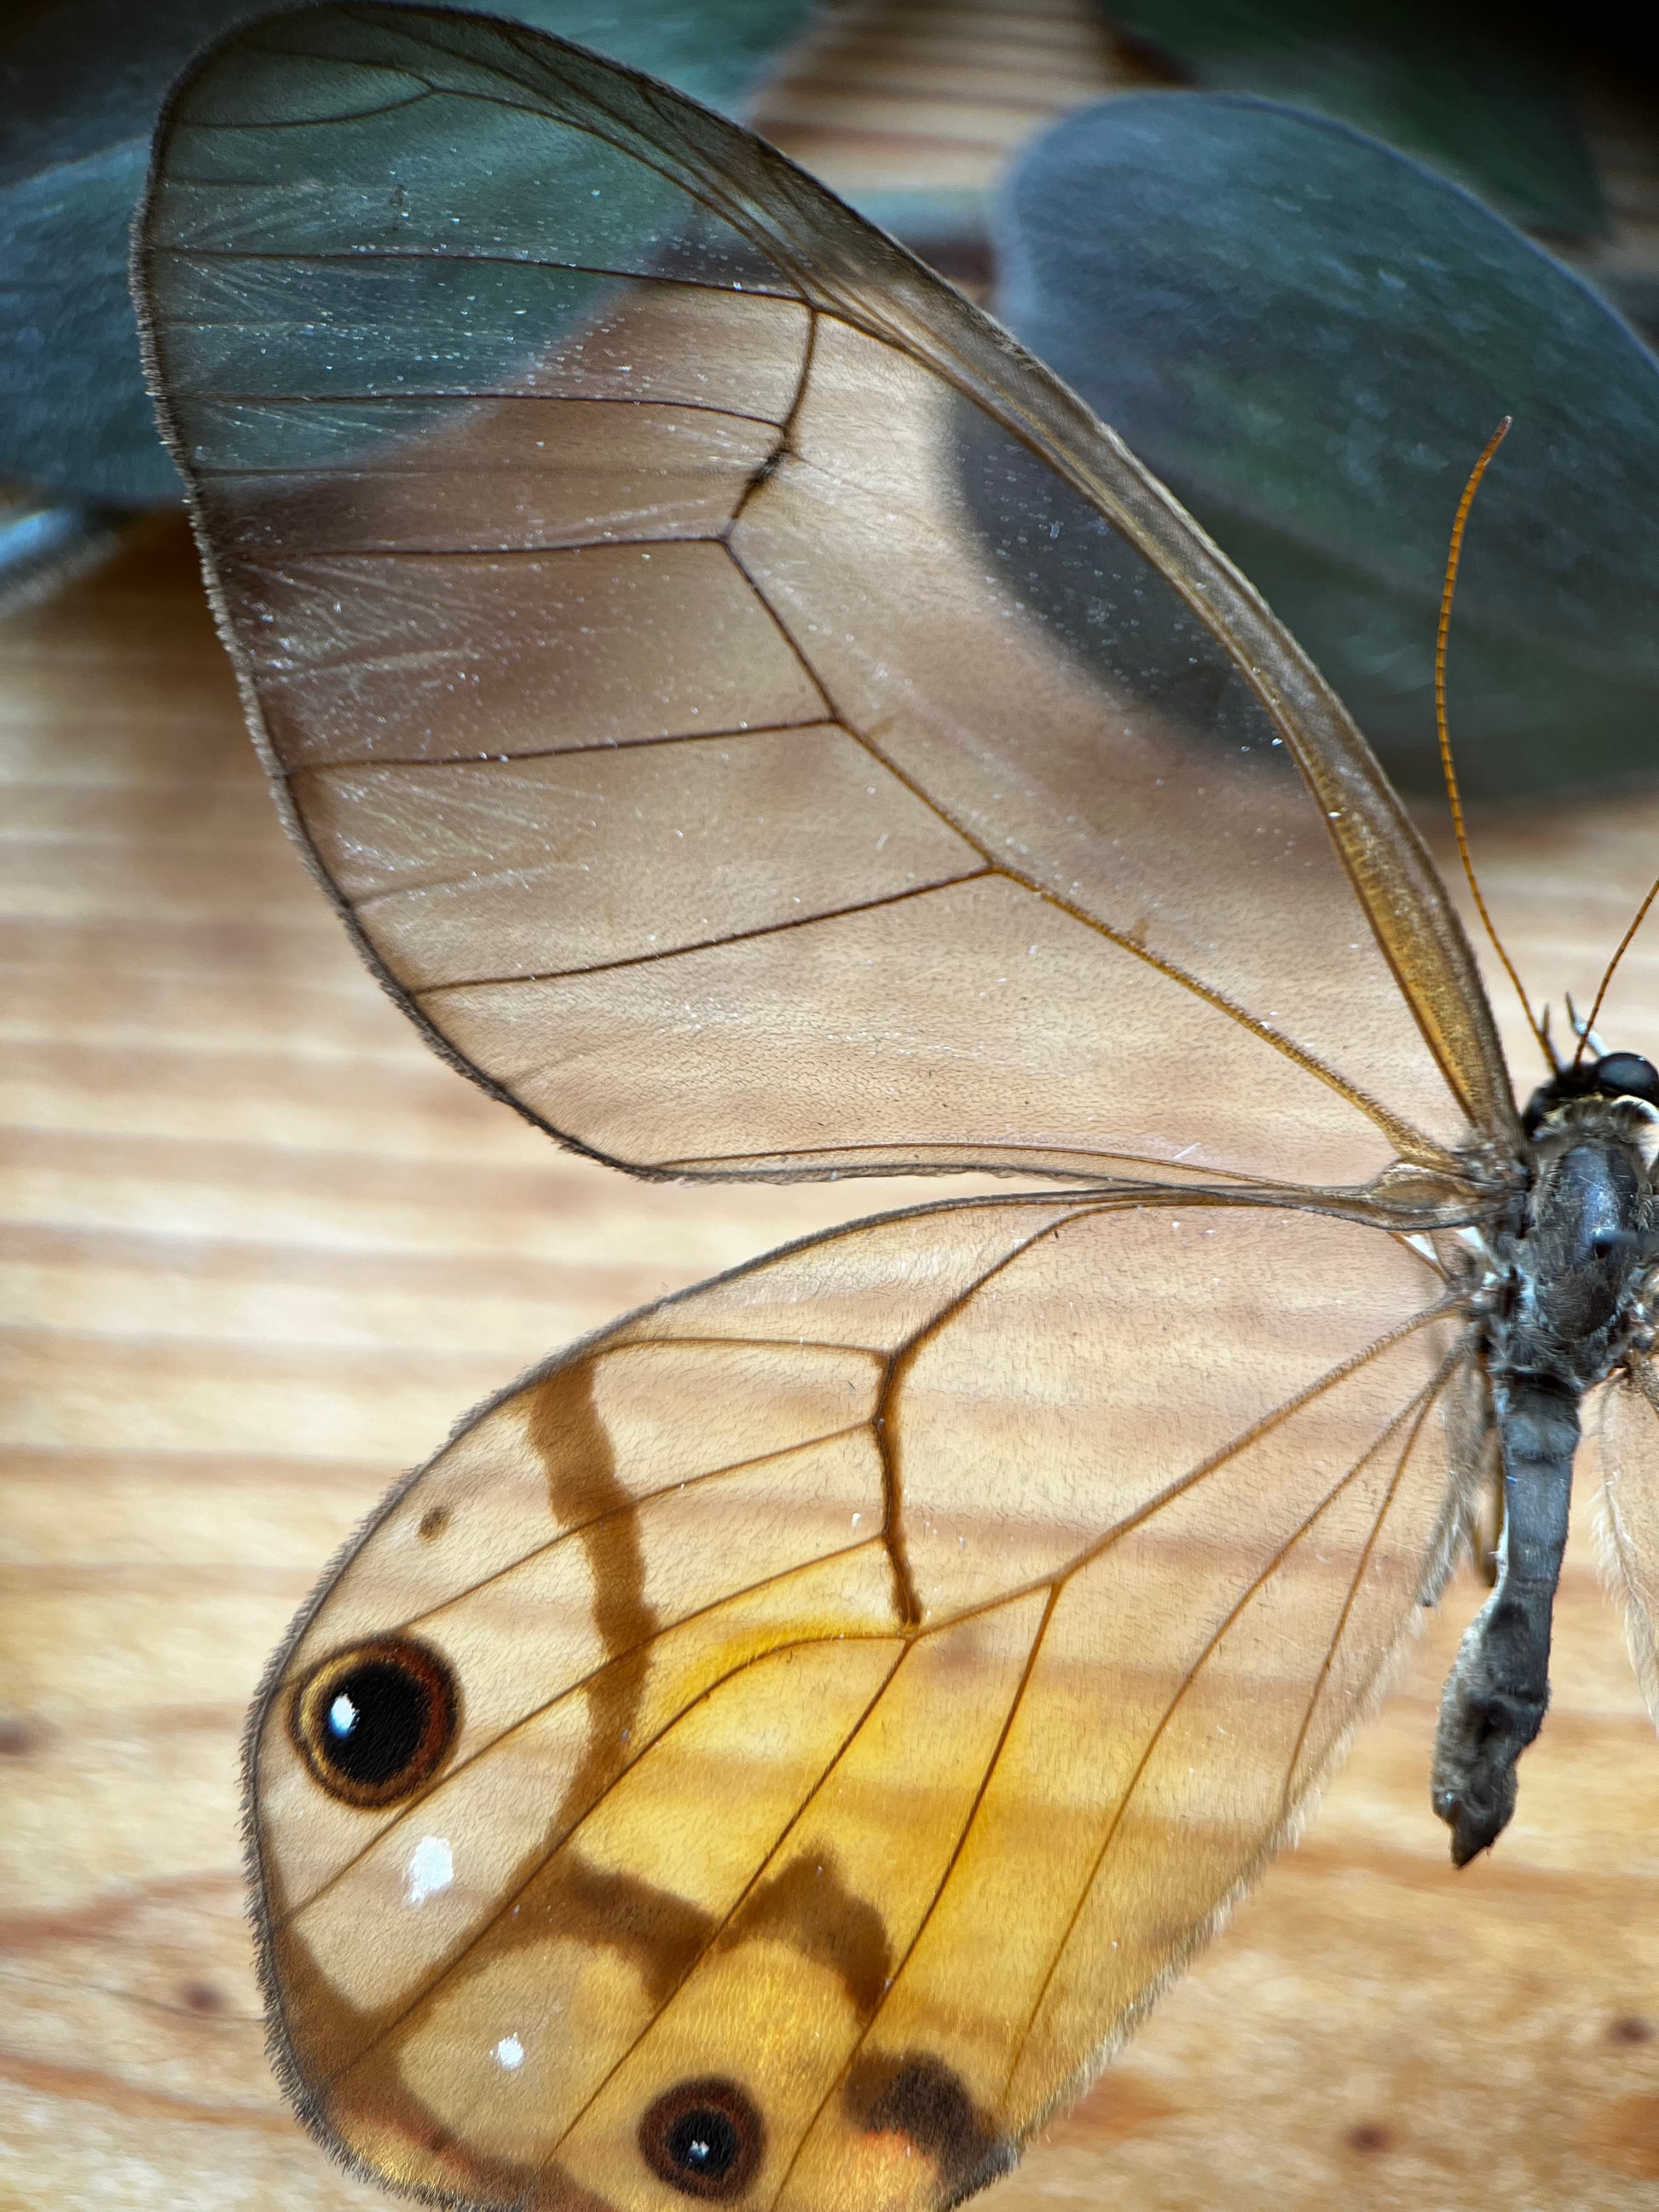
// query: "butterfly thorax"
[[1578, 1258]]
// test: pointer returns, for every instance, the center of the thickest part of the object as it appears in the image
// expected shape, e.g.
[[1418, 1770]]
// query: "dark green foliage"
[[1473, 93], [1310, 339]]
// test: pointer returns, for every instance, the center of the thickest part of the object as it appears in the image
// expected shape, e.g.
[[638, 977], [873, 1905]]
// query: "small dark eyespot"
[[704, 2138], [375, 1720], [434, 1522], [1627, 1075]]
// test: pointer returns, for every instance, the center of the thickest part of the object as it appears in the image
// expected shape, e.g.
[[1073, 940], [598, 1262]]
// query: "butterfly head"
[[1615, 1075]]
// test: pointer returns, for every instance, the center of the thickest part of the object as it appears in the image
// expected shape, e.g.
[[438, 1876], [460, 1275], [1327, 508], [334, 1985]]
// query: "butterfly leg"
[[1487, 1523], [1495, 1697]]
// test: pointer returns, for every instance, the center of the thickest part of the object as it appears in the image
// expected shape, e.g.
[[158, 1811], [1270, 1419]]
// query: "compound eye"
[[704, 2138], [377, 1720], [1627, 1075]]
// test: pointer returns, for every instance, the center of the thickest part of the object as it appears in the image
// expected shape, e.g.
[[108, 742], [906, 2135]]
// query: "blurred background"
[[261, 1249]]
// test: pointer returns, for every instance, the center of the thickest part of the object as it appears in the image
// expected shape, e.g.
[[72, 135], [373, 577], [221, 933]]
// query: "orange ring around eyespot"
[[437, 1720], [722, 2100]]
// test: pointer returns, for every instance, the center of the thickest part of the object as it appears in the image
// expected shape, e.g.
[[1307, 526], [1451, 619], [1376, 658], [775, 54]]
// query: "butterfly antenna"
[[1453, 557], [1641, 916]]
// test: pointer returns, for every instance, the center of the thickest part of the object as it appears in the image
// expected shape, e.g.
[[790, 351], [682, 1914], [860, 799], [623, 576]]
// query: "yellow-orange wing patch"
[[868, 1676]]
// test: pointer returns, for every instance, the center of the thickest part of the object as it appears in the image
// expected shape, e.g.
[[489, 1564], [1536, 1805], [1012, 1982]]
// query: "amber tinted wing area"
[[752, 716], [871, 1684]]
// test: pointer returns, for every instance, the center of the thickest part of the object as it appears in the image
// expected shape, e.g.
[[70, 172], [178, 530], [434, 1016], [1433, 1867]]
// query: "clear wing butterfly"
[[757, 723]]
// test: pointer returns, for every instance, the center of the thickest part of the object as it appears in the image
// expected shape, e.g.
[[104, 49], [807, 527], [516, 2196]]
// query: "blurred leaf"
[[79, 85], [1469, 94], [1310, 339]]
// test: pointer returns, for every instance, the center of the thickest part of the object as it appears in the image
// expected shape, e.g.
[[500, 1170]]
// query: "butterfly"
[[758, 724]]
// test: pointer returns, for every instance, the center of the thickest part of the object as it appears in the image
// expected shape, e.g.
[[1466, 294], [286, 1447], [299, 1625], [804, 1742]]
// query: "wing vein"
[[951, 1864], [367, 256], [1420, 1404], [441, 1973], [552, 752], [748, 1891], [1425, 1407], [681, 951], [1409, 1142], [634, 1504], [423, 395]]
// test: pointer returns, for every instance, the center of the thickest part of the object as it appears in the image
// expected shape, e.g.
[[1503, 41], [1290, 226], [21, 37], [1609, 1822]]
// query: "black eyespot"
[[377, 1720], [1627, 1075], [704, 2138]]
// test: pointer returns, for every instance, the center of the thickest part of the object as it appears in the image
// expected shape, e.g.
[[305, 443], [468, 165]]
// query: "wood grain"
[[893, 93], [262, 1249]]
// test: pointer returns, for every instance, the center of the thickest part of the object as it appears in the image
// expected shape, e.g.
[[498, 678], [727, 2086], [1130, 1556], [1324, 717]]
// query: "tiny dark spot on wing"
[[1631, 2027], [435, 1521], [18, 1738], [1368, 2138], [201, 1997]]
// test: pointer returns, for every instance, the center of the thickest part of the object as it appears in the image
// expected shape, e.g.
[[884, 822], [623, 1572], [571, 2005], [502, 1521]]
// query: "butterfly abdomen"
[[1575, 1272]]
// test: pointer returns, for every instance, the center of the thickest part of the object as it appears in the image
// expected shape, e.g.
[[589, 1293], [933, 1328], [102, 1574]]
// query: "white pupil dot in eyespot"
[[509, 2052], [343, 1715]]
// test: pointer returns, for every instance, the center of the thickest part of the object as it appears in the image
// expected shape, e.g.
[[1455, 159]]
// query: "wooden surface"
[[888, 95], [262, 1249]]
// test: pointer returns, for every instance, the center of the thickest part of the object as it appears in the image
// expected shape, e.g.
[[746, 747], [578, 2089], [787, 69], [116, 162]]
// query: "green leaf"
[[1477, 100], [1310, 339]]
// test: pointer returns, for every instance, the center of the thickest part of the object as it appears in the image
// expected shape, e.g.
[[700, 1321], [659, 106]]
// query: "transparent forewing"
[[750, 714], [1628, 1409], [875, 1672]]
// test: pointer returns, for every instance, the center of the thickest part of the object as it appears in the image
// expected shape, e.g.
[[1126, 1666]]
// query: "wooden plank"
[[892, 95], [262, 1249]]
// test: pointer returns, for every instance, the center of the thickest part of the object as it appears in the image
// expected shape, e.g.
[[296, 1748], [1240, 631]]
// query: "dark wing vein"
[[367, 255], [1424, 1409], [720, 1929], [419, 395], [899, 1361], [698, 945], [551, 752], [630, 1506], [1410, 1142]]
